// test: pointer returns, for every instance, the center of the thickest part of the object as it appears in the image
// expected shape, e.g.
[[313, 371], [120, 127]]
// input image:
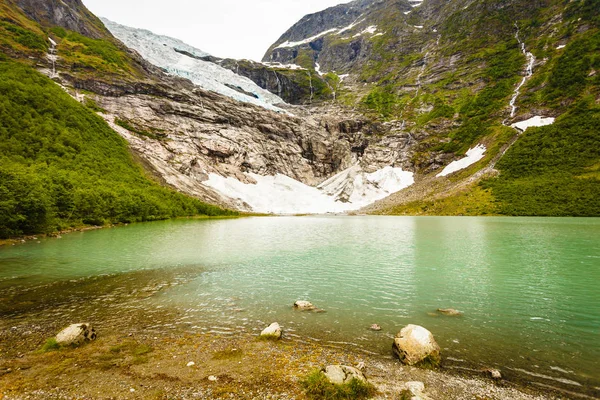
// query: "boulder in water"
[[415, 345], [375, 327], [76, 334], [273, 331], [449, 311], [304, 305]]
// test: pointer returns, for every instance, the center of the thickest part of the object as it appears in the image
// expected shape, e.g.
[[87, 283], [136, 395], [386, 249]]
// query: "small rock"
[[191, 364], [413, 391], [375, 327], [212, 378], [272, 331], [304, 305], [449, 311], [493, 373], [132, 390], [415, 345], [76, 334], [361, 366], [340, 374]]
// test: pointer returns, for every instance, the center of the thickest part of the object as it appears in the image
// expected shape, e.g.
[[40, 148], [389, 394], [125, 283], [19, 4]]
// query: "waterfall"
[[53, 57], [528, 73]]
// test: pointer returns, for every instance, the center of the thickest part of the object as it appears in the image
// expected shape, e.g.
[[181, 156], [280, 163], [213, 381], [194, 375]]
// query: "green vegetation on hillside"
[[553, 170], [62, 166]]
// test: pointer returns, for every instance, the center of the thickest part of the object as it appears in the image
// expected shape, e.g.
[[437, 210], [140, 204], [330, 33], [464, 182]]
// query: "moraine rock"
[[449, 311], [76, 334], [415, 345], [272, 331], [341, 374]]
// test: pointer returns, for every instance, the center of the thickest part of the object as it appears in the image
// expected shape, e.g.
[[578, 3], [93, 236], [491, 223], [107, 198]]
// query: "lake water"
[[529, 288]]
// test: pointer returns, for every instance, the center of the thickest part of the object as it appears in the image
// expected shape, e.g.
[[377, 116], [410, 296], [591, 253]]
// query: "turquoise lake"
[[529, 288]]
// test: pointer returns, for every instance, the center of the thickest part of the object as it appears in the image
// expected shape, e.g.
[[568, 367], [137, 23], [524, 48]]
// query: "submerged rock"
[[273, 331], [415, 345], [340, 374], [304, 305], [493, 373], [76, 334], [449, 311]]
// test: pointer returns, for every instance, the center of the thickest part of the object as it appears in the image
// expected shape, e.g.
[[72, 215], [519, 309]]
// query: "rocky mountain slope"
[[462, 75], [409, 95]]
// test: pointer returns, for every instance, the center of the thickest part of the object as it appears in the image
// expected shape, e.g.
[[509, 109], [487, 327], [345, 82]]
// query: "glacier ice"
[[181, 59], [349, 190]]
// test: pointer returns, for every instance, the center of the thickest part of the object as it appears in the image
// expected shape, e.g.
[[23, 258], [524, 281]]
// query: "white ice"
[[280, 194], [473, 155], [160, 51], [533, 122]]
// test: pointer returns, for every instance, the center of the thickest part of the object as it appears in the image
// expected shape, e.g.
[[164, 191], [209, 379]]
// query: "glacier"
[[183, 60], [350, 190]]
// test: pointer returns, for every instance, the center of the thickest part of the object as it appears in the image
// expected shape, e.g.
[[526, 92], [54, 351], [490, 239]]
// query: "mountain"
[[461, 75], [453, 107]]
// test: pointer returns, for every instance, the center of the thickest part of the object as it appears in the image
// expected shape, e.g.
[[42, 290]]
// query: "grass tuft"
[[50, 345], [318, 387]]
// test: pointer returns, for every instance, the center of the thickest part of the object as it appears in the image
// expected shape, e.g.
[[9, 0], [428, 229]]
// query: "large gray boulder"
[[341, 374], [415, 345], [76, 334]]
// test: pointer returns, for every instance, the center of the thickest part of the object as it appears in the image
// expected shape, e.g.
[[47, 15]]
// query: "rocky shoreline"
[[135, 365], [134, 358]]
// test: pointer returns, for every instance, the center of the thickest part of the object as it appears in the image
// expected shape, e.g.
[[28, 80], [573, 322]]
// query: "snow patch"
[[352, 25], [369, 30], [280, 65], [181, 59], [562, 46], [305, 41], [418, 26], [533, 122], [473, 155], [349, 190]]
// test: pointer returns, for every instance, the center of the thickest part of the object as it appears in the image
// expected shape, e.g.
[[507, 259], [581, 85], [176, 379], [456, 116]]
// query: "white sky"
[[223, 28]]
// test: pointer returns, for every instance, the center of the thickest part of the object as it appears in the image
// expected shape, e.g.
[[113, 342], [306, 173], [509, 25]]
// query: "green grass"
[[318, 387], [549, 170], [62, 166], [50, 345]]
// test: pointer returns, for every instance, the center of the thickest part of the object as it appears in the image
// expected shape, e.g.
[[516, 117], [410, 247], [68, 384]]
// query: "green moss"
[[318, 387], [50, 345]]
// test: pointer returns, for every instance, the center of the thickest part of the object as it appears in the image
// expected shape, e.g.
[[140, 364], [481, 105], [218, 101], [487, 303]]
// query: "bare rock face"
[[76, 334], [415, 345], [69, 14], [341, 374], [272, 331]]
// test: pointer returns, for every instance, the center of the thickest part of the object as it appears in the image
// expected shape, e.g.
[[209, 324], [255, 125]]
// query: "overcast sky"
[[223, 28]]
